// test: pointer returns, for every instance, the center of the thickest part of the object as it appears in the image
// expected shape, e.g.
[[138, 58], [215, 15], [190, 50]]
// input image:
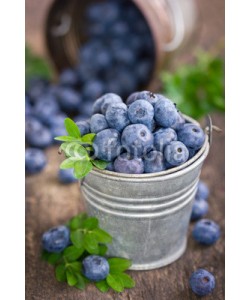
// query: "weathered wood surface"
[[49, 203]]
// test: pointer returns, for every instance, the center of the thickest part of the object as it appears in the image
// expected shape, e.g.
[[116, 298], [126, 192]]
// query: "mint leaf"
[[102, 250], [102, 236], [80, 282], [82, 168], [127, 281], [66, 138], [91, 244], [53, 258], [118, 264], [60, 273], [72, 253], [76, 266], [88, 138], [102, 286], [72, 128], [77, 238], [90, 223], [115, 282], [68, 163], [71, 278], [100, 164], [77, 221], [75, 151]]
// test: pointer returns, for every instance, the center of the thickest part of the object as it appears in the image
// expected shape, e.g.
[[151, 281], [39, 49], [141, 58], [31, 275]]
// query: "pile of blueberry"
[[146, 135]]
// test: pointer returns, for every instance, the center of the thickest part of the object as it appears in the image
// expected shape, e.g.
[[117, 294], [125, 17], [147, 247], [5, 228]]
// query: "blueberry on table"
[[166, 114], [192, 136], [137, 139], [84, 127], [202, 282], [35, 160], [141, 112], [40, 138], [206, 232], [202, 191], [199, 209], [98, 123], [176, 153], [108, 99], [107, 144], [128, 164], [95, 267], [56, 239], [66, 176], [117, 116], [163, 137], [154, 161]]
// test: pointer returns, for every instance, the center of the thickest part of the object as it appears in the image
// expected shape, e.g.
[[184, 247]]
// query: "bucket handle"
[[210, 127]]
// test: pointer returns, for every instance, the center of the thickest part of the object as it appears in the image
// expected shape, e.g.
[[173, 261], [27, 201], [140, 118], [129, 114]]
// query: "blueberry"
[[119, 28], [93, 89], [98, 123], [176, 153], [68, 77], [58, 130], [108, 99], [202, 282], [56, 239], [40, 138], [165, 113], [137, 139], [37, 87], [69, 99], [28, 107], [45, 107], [199, 209], [84, 127], [179, 122], [80, 118], [107, 144], [202, 191], [206, 232], [97, 105], [128, 164], [110, 166], [141, 112], [35, 160], [86, 109], [56, 120], [132, 98], [125, 56], [154, 162], [192, 136], [95, 267], [143, 72], [102, 61], [66, 176], [117, 116], [148, 96], [163, 137], [32, 124], [192, 152]]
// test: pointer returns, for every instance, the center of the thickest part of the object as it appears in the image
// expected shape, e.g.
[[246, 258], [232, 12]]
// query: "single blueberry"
[[163, 137], [45, 107], [132, 98], [56, 120], [179, 122], [110, 166], [154, 161], [36, 88], [137, 139], [107, 144], [202, 191], [95, 267], [93, 89], [176, 153], [206, 232], [68, 77], [108, 99], [192, 152], [66, 176], [98, 123], [40, 138], [202, 282], [117, 116], [199, 209], [69, 99], [97, 105], [32, 124], [128, 164], [56, 239], [35, 160], [148, 96], [84, 127], [141, 112], [192, 136], [165, 113]]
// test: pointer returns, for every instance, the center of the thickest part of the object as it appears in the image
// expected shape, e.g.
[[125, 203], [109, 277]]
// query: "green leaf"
[[100, 164], [80, 282], [102, 286], [76, 266], [91, 244], [71, 278], [67, 163], [77, 238], [75, 151], [127, 281], [102, 236], [88, 138], [115, 282], [90, 223], [102, 250], [119, 264], [60, 273], [54, 258], [77, 221], [66, 138], [72, 128], [45, 255], [82, 168], [72, 253]]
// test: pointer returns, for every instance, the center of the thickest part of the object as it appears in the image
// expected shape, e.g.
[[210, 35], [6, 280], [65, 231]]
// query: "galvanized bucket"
[[148, 214]]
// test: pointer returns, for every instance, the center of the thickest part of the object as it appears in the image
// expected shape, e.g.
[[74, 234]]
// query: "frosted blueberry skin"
[[56, 239], [148, 96], [97, 105], [117, 116], [202, 191], [202, 282], [66, 176], [206, 232], [154, 161], [192, 152], [163, 137], [180, 121], [68, 77], [69, 99], [108, 99], [35, 160], [95, 268], [84, 127], [192, 136], [107, 144], [166, 114], [98, 123], [176, 153], [129, 165], [137, 139], [40, 138], [132, 98], [199, 209], [141, 112]]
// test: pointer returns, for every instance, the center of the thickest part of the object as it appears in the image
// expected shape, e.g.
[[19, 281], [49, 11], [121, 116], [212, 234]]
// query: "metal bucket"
[[148, 214]]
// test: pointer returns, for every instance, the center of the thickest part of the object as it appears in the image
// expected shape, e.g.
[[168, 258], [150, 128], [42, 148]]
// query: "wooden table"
[[49, 203]]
